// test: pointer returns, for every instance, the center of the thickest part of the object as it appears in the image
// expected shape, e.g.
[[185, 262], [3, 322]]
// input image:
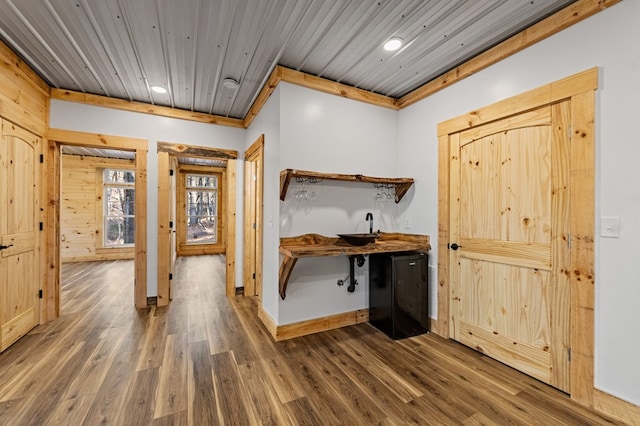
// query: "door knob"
[[454, 246], [5, 247]]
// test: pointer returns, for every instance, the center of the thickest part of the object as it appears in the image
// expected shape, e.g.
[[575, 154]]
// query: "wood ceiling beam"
[[115, 103]]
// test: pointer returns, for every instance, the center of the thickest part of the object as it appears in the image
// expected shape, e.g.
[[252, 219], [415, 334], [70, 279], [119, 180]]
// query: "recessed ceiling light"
[[230, 83], [392, 44], [159, 89]]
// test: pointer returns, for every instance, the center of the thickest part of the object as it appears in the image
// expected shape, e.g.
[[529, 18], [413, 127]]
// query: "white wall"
[[327, 133], [93, 119], [608, 40], [268, 123]]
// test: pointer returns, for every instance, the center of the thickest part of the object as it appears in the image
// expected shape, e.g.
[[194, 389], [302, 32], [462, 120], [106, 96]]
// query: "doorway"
[[198, 161], [557, 267], [90, 141], [253, 222]]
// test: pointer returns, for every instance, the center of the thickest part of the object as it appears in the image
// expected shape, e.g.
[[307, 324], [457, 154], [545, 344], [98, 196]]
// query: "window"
[[201, 208], [119, 207]]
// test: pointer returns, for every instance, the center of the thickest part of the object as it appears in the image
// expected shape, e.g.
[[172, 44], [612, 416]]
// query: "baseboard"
[[268, 322], [615, 407], [316, 325]]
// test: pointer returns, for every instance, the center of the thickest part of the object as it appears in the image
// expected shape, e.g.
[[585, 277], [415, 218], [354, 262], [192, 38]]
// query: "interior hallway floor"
[[206, 359]]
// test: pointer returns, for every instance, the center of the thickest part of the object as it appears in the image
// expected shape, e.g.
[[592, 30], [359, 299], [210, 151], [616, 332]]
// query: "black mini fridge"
[[398, 293]]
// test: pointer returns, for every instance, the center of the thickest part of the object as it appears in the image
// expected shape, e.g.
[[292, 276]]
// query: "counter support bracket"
[[285, 272]]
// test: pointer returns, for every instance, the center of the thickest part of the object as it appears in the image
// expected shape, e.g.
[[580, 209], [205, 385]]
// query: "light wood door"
[[19, 233], [510, 218]]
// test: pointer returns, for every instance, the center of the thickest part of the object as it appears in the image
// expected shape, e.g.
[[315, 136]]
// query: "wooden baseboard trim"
[[316, 325], [615, 407], [268, 322]]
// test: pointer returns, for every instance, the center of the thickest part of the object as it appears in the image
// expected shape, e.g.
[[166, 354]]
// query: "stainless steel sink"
[[358, 239]]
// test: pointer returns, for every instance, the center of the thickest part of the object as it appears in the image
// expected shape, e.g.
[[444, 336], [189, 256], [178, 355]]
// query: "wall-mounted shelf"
[[401, 185]]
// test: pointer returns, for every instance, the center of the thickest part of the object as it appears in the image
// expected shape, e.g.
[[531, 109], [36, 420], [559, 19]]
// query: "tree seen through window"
[[119, 205], [202, 208]]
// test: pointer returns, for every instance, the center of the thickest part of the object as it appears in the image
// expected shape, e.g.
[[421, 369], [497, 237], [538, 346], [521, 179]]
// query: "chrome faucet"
[[370, 219]]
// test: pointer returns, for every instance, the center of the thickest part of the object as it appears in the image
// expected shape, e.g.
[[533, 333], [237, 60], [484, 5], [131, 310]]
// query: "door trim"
[[58, 137], [255, 153], [166, 151], [580, 88]]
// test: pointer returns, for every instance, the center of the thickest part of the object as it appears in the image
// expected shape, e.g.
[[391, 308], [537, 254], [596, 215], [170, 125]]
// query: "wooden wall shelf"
[[401, 185], [314, 245]]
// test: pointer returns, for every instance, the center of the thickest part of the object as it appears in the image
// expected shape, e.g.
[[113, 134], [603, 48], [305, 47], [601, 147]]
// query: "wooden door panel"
[[19, 215], [507, 298], [19, 314], [532, 255]]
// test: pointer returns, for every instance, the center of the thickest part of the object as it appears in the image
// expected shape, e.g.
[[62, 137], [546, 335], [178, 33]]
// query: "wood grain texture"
[[24, 96], [81, 209], [105, 362], [572, 99], [315, 245], [401, 185], [121, 104]]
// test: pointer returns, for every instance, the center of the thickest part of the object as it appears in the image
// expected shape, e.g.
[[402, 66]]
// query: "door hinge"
[[254, 225], [569, 354], [170, 172], [39, 294], [254, 275], [170, 224], [41, 158], [170, 277], [41, 226], [569, 240]]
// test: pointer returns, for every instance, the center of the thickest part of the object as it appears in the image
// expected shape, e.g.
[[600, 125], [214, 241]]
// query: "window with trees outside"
[[119, 207], [201, 208]]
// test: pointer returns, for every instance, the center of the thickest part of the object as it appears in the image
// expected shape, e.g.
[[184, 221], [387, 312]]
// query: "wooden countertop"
[[314, 245]]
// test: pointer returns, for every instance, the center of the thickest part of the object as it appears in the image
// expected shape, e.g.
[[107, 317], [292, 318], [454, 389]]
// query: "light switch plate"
[[610, 227]]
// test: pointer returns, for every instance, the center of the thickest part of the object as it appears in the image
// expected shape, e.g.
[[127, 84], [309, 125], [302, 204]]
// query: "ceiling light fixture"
[[230, 83], [393, 44], [159, 89]]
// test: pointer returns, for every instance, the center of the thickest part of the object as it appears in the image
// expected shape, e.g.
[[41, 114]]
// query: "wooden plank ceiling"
[[120, 48]]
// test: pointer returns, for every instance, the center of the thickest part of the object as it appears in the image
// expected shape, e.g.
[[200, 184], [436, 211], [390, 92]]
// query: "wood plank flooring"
[[207, 360]]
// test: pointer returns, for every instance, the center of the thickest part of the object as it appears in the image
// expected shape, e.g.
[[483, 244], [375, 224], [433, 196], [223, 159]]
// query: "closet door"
[[19, 233]]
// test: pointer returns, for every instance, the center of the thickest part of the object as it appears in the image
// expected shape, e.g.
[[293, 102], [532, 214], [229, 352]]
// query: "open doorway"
[[97, 223], [196, 210], [114, 235]]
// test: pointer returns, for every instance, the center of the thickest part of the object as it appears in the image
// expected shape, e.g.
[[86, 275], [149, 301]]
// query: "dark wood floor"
[[206, 360]]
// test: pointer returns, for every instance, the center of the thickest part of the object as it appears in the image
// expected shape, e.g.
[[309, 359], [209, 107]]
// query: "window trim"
[[183, 247], [101, 247]]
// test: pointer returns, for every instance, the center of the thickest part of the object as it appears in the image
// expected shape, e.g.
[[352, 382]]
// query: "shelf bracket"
[[285, 272]]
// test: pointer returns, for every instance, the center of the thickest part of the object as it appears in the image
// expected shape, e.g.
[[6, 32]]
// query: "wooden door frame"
[[166, 150], [580, 89], [56, 138], [184, 248], [255, 153]]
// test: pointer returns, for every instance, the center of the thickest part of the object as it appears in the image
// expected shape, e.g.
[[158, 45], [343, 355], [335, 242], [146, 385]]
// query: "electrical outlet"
[[610, 227]]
